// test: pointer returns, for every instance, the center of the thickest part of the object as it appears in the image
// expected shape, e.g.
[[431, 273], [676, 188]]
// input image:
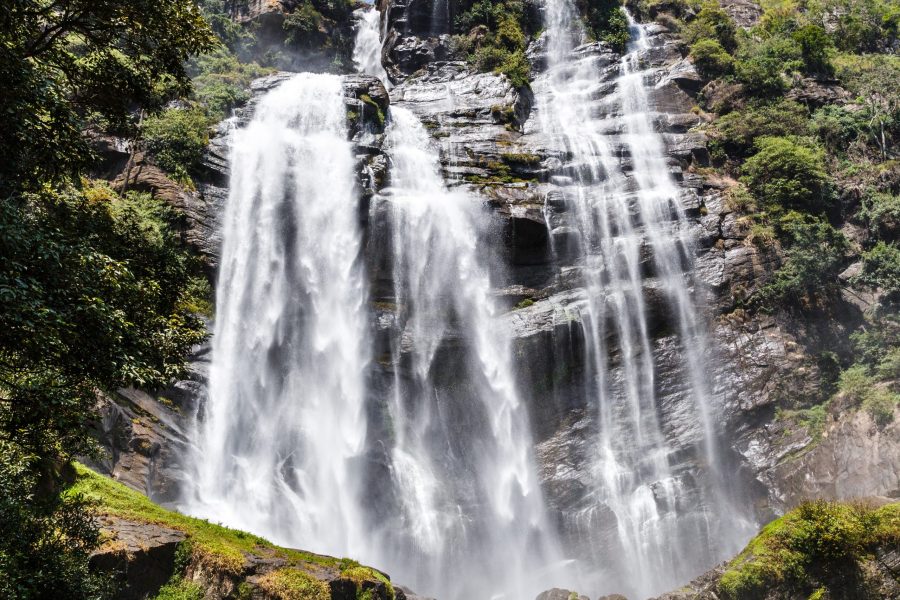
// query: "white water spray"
[[367, 46], [284, 417], [669, 524], [471, 505]]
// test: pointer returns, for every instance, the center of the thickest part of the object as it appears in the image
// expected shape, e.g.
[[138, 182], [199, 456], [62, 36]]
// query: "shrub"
[[762, 64], [737, 131], [863, 390], [881, 269], [881, 213], [176, 138], [815, 45], [859, 25], [711, 23], [814, 545], [496, 38], [787, 174], [814, 257], [220, 81], [711, 59], [605, 21]]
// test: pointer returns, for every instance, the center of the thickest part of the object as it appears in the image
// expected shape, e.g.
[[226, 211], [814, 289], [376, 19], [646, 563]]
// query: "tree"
[[786, 174], [68, 64], [94, 288], [814, 47], [711, 59]]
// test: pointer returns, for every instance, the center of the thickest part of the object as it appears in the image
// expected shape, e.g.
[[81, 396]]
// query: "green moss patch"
[[819, 545]]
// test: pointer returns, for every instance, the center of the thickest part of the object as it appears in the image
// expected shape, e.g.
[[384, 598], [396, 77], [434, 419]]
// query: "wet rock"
[[140, 555], [560, 594]]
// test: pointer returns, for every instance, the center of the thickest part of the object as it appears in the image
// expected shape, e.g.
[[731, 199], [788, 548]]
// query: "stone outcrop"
[[144, 437], [144, 556], [140, 555]]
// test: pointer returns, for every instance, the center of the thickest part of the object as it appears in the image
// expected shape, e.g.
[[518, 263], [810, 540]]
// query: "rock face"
[[144, 438], [141, 555]]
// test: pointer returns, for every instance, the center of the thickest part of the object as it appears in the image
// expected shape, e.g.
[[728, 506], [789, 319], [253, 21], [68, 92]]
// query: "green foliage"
[[497, 38], [177, 138], [840, 126], [814, 257], [711, 59], [304, 26], [881, 269], [604, 20], [711, 23], [220, 81], [864, 390], [524, 303], [881, 213], [45, 540], [788, 174], [763, 65], [815, 45], [737, 131], [210, 543], [69, 62], [858, 25], [819, 544], [180, 590]]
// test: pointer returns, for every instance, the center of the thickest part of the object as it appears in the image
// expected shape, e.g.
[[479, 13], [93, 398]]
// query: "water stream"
[[284, 416], [417, 457], [635, 248]]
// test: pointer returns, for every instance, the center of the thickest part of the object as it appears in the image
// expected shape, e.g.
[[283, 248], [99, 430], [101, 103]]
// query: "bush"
[[762, 64], [815, 45], [785, 173], [177, 138], [859, 25], [711, 59], [711, 23], [737, 131], [45, 540], [503, 50], [811, 547], [605, 21], [881, 270], [865, 391], [220, 81], [881, 214], [814, 257]]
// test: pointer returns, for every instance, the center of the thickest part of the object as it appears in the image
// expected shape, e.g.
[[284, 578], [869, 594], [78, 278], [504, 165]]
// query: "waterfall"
[[367, 46], [284, 418], [471, 518], [634, 245]]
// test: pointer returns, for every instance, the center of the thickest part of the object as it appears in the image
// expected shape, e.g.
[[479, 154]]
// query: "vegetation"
[[604, 20], [93, 283], [494, 35], [214, 545], [818, 546]]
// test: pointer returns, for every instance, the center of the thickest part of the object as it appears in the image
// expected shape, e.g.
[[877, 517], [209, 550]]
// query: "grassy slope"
[[214, 544]]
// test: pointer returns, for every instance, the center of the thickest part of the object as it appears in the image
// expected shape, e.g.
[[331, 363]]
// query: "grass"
[[291, 584], [213, 544], [818, 545]]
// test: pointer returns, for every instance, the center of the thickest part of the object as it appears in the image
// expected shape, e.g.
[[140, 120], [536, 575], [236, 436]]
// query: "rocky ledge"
[[149, 548]]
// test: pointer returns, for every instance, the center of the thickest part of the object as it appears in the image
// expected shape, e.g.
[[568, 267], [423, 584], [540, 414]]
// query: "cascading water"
[[471, 522], [634, 243], [367, 46], [429, 474], [284, 416]]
